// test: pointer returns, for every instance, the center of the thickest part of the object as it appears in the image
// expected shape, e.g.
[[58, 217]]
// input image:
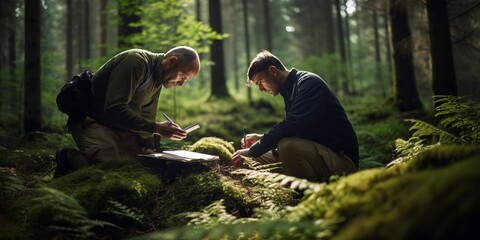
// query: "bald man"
[[122, 119]]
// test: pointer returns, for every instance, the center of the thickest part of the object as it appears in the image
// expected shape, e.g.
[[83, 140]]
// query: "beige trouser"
[[307, 159], [100, 143]]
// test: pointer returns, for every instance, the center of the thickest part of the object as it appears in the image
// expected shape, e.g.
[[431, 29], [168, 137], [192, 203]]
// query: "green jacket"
[[126, 90]]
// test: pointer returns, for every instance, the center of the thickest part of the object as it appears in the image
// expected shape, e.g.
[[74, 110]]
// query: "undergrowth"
[[428, 190]]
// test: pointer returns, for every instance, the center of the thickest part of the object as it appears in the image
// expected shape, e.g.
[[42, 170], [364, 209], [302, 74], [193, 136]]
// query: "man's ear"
[[173, 60], [272, 70]]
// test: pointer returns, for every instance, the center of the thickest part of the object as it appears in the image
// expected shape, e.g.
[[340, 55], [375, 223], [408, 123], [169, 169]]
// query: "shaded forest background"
[[388, 61], [355, 45]]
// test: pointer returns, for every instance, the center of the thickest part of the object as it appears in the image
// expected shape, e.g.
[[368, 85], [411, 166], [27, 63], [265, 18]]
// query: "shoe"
[[61, 157]]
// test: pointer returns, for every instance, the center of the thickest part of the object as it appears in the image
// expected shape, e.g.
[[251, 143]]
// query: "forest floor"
[[428, 193]]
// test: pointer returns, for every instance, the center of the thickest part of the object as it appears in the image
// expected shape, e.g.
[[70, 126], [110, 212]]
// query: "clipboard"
[[182, 156]]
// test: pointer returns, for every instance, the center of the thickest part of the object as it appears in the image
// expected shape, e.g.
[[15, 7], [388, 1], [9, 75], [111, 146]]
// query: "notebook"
[[182, 156]]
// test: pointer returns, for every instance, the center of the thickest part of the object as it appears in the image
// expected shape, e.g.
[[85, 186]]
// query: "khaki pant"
[[100, 143], [307, 159]]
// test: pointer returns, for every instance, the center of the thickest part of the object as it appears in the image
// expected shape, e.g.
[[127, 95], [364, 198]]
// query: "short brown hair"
[[263, 61]]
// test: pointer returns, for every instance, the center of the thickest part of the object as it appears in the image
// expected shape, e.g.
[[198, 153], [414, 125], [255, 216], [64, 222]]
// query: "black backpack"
[[75, 97]]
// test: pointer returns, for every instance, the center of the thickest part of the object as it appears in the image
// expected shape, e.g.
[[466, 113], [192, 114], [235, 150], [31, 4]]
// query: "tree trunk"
[[219, 85], [405, 89], [358, 30], [329, 26], [378, 58], [247, 45], [69, 40], [343, 52], [32, 86], [7, 57], [87, 29], [103, 28], [349, 60], [443, 70], [268, 28], [387, 43], [234, 36]]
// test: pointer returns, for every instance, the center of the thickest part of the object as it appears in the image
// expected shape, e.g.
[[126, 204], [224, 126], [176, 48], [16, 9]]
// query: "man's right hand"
[[170, 130], [250, 139]]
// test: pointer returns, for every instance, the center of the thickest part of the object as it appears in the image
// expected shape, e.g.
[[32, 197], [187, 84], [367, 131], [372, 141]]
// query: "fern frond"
[[10, 185], [284, 180], [280, 229], [459, 114], [252, 164], [406, 150], [70, 218], [123, 211], [211, 215], [424, 130]]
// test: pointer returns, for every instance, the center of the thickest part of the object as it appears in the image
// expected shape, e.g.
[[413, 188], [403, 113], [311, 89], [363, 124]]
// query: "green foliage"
[[393, 203], [461, 115], [459, 121], [436, 156], [279, 229], [329, 66], [407, 150], [214, 146], [129, 183], [30, 166], [10, 185], [217, 141], [211, 215], [125, 212], [62, 215], [376, 135], [459, 124], [272, 181], [182, 197], [170, 28], [437, 203]]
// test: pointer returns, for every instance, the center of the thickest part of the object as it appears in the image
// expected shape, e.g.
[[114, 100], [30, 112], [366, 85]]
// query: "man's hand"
[[237, 157], [250, 139], [170, 130]]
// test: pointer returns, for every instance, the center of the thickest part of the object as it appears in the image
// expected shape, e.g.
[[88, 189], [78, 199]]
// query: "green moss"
[[216, 140], [188, 194], [340, 199], [237, 197], [433, 204], [396, 204], [442, 156], [214, 146], [129, 183]]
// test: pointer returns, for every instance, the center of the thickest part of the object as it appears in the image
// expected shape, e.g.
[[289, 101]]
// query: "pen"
[[244, 134], [165, 115]]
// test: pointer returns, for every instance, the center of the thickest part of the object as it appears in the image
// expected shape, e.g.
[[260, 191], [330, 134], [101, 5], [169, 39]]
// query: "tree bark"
[[378, 57], [247, 45], [219, 85], [69, 40], [7, 57], [329, 26], [443, 69], [405, 89], [268, 28], [32, 86], [343, 52], [103, 28]]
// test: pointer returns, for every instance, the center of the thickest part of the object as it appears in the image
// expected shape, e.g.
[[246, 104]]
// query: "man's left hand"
[[238, 157]]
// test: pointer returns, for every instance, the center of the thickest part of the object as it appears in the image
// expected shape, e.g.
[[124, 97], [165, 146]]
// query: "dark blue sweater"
[[313, 112]]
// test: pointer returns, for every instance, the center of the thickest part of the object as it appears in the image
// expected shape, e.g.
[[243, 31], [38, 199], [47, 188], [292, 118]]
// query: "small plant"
[[459, 123], [64, 216]]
